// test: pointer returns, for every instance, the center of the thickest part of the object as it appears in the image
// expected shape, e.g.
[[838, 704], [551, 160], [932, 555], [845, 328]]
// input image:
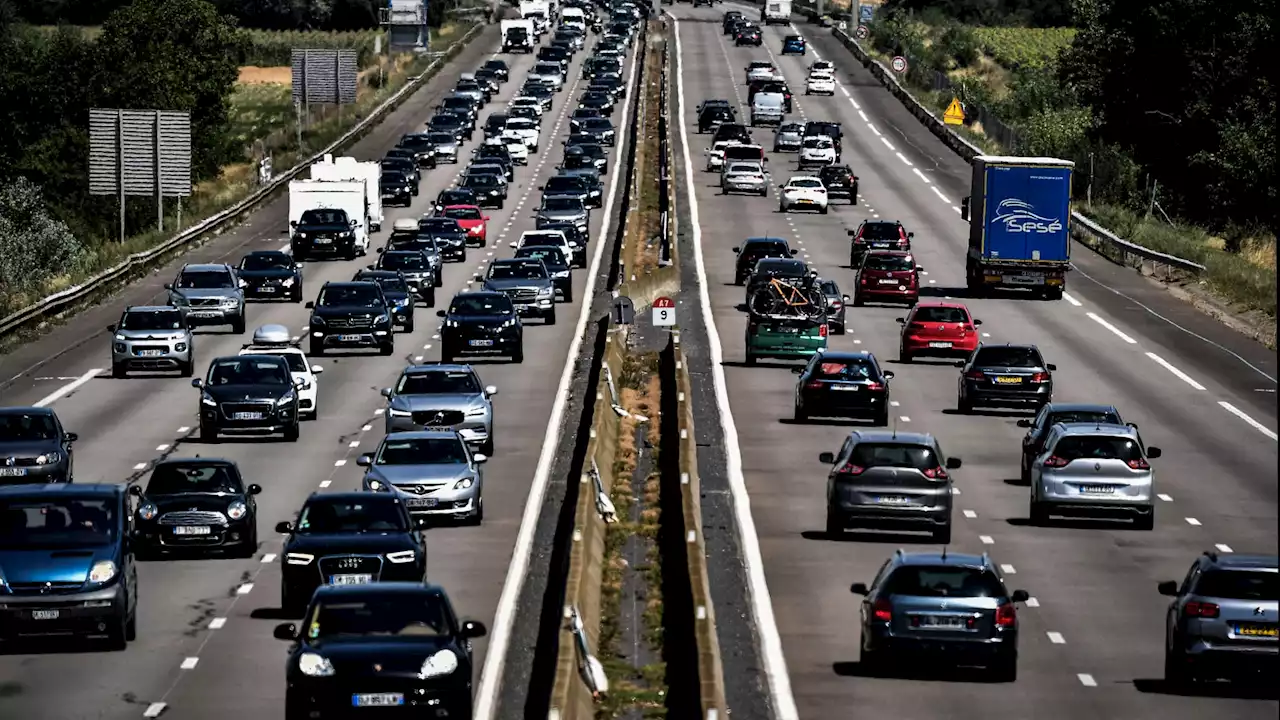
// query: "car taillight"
[[874, 386], [853, 178], [814, 385], [936, 474], [851, 469], [975, 375], [966, 329], [1040, 377], [835, 304], [822, 330], [882, 610], [1139, 464], [1054, 461], [1006, 615], [1200, 609]]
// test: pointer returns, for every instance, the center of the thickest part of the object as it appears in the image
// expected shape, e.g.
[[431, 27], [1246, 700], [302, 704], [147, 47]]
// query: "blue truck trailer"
[[1019, 214]]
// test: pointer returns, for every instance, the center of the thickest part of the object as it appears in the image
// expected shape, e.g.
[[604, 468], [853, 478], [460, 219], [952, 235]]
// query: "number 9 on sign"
[[664, 312]]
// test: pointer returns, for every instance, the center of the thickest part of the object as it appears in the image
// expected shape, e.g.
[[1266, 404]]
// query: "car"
[[445, 145], [803, 192], [349, 538], [887, 276], [712, 117], [152, 337], [35, 446], [433, 472], [713, 103], [351, 315], [1055, 413], [1004, 375], [575, 237], [481, 323], [579, 115], [760, 70], [793, 45], [787, 138], [527, 282], [210, 294], [768, 269], [778, 86], [551, 73], [938, 329], [822, 67], [449, 236], [543, 92], [504, 170], [270, 275], [248, 394], [820, 85], [562, 209], [754, 249], [825, 128], [744, 177], [421, 147], [768, 109], [557, 266], [498, 68], [407, 236], [836, 304], [748, 35], [575, 186], [877, 235], [68, 562], [359, 630], [840, 182], [471, 219], [416, 268], [440, 395], [395, 287], [731, 21], [456, 124], [1094, 470], [736, 132], [488, 80], [275, 340], [950, 608], [599, 101], [495, 124], [601, 129], [843, 384], [196, 504], [463, 105], [1221, 622], [473, 91], [490, 190], [524, 130], [817, 150], [403, 161], [327, 232], [490, 152]]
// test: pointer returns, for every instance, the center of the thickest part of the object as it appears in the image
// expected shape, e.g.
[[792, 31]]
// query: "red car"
[[940, 329], [888, 276], [472, 219], [877, 235]]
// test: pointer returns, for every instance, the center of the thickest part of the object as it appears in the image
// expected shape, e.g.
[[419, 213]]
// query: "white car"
[[550, 238], [530, 102], [817, 150], [822, 67], [715, 154], [526, 131], [820, 85], [803, 192], [275, 340], [760, 70]]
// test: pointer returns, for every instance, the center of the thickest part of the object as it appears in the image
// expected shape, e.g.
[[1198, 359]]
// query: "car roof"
[[428, 368], [151, 308], [929, 557], [197, 460], [1078, 429], [1081, 407], [353, 283], [481, 295], [891, 437], [377, 274], [941, 304], [762, 240], [379, 588], [210, 267], [265, 252], [66, 490], [886, 251], [1242, 561], [846, 354], [1022, 346], [461, 207]]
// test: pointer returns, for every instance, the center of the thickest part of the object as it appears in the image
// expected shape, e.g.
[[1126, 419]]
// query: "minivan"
[[766, 109]]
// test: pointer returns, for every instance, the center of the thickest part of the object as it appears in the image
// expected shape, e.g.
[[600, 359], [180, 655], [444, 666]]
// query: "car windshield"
[[845, 370], [440, 138], [805, 183], [563, 182], [480, 180], [392, 284], [941, 315], [1084, 416], [324, 516], [421, 451], [458, 103], [65, 523], [881, 231], [362, 295], [487, 305], [440, 382], [248, 370], [27, 427], [178, 478], [1008, 357], [295, 360], [944, 581], [1097, 447], [781, 267], [734, 169], [546, 69], [455, 197], [888, 263], [516, 270], [549, 256], [577, 161], [829, 288], [323, 217], [598, 124], [521, 124], [402, 261], [820, 143], [1239, 585], [266, 261], [415, 142], [438, 224], [561, 203], [901, 455], [204, 280], [462, 213], [152, 320], [393, 178], [403, 615], [496, 120]]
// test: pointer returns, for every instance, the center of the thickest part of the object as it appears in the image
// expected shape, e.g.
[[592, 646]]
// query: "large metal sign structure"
[[406, 23], [141, 153], [324, 77]]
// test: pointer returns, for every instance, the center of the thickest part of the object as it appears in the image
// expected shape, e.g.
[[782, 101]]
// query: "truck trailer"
[[776, 12], [350, 169], [517, 36]]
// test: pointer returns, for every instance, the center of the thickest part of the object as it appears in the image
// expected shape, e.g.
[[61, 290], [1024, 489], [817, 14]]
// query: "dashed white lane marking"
[[971, 514], [874, 130], [904, 418], [1241, 414], [268, 558], [1056, 638], [353, 444], [1086, 680], [955, 491], [1177, 373], [1033, 602], [379, 411], [1223, 547], [366, 428], [325, 483], [1192, 521], [987, 539], [154, 710], [1115, 330], [244, 589], [184, 430], [894, 403], [140, 466], [1008, 570], [921, 175], [189, 663], [1071, 299], [67, 389], [1164, 497], [888, 145], [339, 463], [904, 159], [217, 623], [863, 116], [437, 336], [162, 447], [938, 192], [986, 335]]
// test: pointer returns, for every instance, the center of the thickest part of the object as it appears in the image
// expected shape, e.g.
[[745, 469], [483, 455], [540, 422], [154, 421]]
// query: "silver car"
[[433, 472], [744, 177], [528, 284], [432, 397], [151, 337], [1092, 469], [212, 294], [563, 210], [788, 138], [446, 145]]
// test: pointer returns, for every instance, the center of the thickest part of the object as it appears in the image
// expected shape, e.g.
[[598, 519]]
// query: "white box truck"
[[327, 218], [574, 16], [539, 11], [776, 12], [518, 36], [348, 168]]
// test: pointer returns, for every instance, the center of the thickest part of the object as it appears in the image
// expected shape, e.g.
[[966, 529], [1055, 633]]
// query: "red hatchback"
[[939, 329], [888, 276], [470, 218]]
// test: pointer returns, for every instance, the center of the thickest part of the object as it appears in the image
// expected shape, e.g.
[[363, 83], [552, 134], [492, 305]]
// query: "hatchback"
[[793, 45], [1054, 413], [1094, 470], [843, 384], [889, 277], [938, 329], [877, 235], [752, 250]]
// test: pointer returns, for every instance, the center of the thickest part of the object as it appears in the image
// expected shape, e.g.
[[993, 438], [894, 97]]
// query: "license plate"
[[191, 530], [1023, 280], [324, 241], [45, 614], [377, 699], [803, 201], [941, 345], [942, 621], [480, 343], [247, 416], [1246, 630], [888, 282], [845, 388], [364, 579], [893, 500], [348, 338], [1005, 380], [150, 353], [387, 195], [880, 245], [268, 288], [12, 472], [1097, 489], [203, 313], [421, 502]]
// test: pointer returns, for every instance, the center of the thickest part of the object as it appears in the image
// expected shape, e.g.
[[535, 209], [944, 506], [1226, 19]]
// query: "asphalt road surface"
[[204, 647], [1091, 641]]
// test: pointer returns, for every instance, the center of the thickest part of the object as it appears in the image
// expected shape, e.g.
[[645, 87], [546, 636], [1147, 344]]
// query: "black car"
[[351, 315], [395, 287], [349, 538], [397, 188], [404, 161], [577, 238], [581, 114], [843, 384], [571, 186], [877, 235], [498, 68], [488, 80], [557, 266], [449, 236], [752, 250], [748, 35], [614, 82], [454, 196], [597, 101], [490, 190], [840, 182], [36, 448], [381, 646], [270, 275], [491, 153], [196, 504], [595, 152], [832, 130], [1004, 375], [601, 129], [421, 146], [580, 137], [446, 146], [554, 54], [418, 271], [458, 125], [323, 230], [418, 241], [495, 124], [1054, 413], [713, 117], [249, 394], [462, 106], [734, 131], [481, 323], [768, 269]]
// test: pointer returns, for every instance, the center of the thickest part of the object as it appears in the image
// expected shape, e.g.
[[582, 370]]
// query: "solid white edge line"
[[1241, 414], [1177, 373], [495, 658], [1115, 330], [67, 389], [775, 664], [1069, 298]]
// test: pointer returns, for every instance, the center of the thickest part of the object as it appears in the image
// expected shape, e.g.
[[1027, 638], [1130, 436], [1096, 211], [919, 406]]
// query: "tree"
[[34, 247], [1034, 13]]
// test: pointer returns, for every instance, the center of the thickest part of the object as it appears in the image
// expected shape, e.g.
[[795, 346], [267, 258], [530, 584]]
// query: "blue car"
[[793, 45], [66, 562]]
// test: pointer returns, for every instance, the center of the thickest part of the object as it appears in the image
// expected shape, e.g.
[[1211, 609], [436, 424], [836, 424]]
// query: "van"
[[767, 109], [744, 153]]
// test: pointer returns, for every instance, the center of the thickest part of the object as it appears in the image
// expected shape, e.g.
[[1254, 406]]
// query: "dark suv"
[[877, 235], [351, 315], [248, 394], [1004, 375], [1223, 618], [891, 481], [752, 250], [481, 323], [840, 182], [951, 607]]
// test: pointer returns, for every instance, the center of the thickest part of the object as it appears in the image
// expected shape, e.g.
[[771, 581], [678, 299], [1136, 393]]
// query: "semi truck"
[[517, 36], [1019, 215], [348, 168], [776, 12]]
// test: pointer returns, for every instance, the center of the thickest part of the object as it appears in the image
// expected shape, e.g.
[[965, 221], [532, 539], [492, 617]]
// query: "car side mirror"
[[473, 629], [441, 313], [1168, 587], [293, 223], [72, 437], [254, 489], [168, 286], [490, 390], [486, 218], [1051, 367], [135, 490], [959, 363], [364, 460], [889, 374], [379, 251], [355, 223], [977, 322], [310, 305], [910, 235], [797, 370], [478, 277], [197, 383], [1020, 596], [111, 327], [317, 369], [859, 589], [285, 631], [284, 527], [517, 245], [954, 463], [480, 458], [737, 250], [1024, 422], [919, 268], [386, 393], [901, 321], [1154, 452], [827, 458]]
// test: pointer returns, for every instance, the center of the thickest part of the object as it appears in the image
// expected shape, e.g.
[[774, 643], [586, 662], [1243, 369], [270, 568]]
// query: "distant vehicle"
[[151, 337], [36, 447]]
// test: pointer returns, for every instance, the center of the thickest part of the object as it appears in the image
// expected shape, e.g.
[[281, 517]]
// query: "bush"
[[34, 246], [957, 47], [274, 48]]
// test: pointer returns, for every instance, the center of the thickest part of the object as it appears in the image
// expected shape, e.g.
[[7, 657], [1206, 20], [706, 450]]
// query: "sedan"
[[1004, 375], [434, 472], [843, 384], [803, 192], [746, 178]]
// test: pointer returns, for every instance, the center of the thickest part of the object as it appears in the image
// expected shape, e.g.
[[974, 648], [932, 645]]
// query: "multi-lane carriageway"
[[1092, 637], [204, 647]]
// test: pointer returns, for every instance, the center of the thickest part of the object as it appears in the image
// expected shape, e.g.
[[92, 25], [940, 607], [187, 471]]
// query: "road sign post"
[[141, 153], [899, 64], [664, 312], [862, 32]]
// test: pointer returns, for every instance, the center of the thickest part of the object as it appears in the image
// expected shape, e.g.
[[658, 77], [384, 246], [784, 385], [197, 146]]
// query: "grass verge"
[[642, 243]]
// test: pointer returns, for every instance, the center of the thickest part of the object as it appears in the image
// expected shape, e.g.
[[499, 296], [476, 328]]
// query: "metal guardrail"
[[60, 301]]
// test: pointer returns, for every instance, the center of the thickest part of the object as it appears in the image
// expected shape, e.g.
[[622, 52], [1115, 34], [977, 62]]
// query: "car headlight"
[[148, 511], [298, 559], [315, 665], [562, 274], [376, 485], [121, 338], [464, 483], [451, 323], [545, 292], [395, 412], [102, 572], [288, 282], [286, 400], [443, 662], [509, 323], [207, 399], [401, 557], [237, 510], [49, 458], [180, 347], [382, 320], [230, 302], [345, 235]]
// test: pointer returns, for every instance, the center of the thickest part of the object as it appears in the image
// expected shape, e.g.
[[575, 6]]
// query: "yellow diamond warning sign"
[[954, 114]]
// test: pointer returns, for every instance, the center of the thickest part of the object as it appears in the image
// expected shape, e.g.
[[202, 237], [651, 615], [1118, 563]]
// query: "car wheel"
[[438, 280], [429, 301], [250, 547], [857, 299], [292, 433], [822, 210], [568, 295], [1146, 521], [118, 636], [1039, 514], [549, 318], [1176, 672], [208, 434], [131, 627], [476, 519], [965, 406], [387, 348], [905, 357], [1024, 471], [801, 415], [751, 359], [942, 536], [187, 369], [408, 325], [835, 524], [837, 329], [882, 418], [118, 372], [237, 326], [518, 356]]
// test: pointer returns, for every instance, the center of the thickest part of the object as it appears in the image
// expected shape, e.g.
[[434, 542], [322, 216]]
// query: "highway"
[[204, 647], [1092, 637]]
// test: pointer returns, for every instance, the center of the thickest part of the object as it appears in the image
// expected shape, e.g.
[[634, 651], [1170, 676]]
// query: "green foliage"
[[274, 48], [958, 46], [1019, 47], [1035, 13], [267, 14], [34, 246]]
